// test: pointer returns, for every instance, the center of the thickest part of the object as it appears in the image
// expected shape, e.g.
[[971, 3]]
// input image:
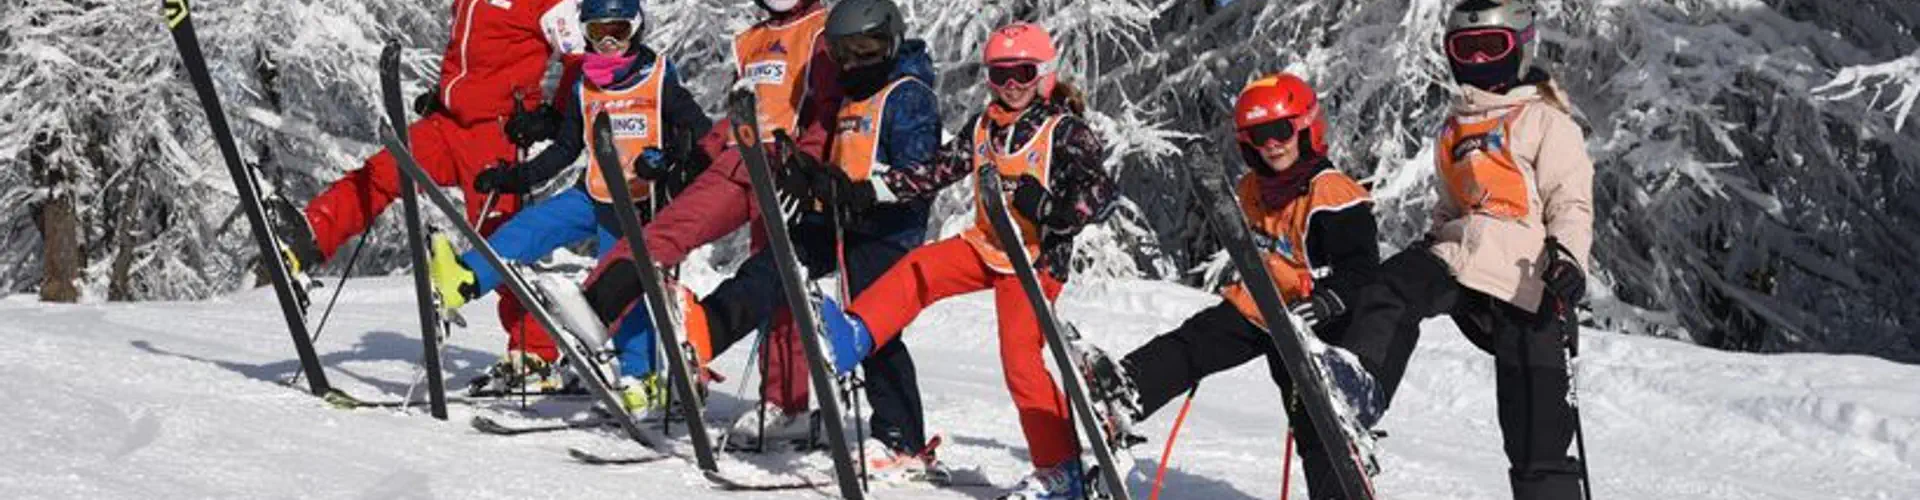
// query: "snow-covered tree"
[[1755, 167]]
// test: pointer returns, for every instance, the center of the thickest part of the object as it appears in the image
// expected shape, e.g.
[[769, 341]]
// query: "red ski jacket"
[[501, 45]]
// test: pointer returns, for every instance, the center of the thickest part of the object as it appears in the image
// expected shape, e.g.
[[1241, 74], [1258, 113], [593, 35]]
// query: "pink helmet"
[[1024, 42]]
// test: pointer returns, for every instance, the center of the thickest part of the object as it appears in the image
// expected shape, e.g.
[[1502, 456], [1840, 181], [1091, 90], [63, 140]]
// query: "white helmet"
[[1490, 43]]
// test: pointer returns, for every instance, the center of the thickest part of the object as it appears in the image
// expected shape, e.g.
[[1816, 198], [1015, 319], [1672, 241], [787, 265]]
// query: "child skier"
[[1316, 229], [657, 121], [798, 81], [1031, 134], [496, 50], [1507, 252]]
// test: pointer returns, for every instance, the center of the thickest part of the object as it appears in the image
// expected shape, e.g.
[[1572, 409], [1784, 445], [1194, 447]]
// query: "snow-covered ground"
[[183, 400]]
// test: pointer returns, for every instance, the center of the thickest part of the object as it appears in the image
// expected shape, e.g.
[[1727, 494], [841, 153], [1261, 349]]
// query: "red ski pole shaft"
[[1167, 453], [1286, 468]]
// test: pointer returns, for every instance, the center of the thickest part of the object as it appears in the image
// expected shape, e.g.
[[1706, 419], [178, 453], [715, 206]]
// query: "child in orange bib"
[[1032, 135]]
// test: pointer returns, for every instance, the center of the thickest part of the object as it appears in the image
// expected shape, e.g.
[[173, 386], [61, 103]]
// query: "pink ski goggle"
[[1481, 46]]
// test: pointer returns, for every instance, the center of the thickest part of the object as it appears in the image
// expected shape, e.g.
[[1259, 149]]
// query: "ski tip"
[[390, 54], [174, 11], [341, 400]]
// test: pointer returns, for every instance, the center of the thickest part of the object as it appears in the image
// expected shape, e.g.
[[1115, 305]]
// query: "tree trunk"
[[59, 225], [120, 279]]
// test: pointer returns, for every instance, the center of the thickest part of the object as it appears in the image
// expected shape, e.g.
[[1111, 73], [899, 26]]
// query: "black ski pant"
[[748, 301], [1217, 339], [1531, 374]]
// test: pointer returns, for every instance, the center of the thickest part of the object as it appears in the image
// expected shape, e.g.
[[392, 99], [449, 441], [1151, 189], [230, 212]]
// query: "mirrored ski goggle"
[[1015, 73], [1262, 135], [1480, 46], [609, 30], [853, 51]]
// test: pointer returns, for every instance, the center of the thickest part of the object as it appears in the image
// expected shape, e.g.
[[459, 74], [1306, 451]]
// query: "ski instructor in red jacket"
[[467, 123]]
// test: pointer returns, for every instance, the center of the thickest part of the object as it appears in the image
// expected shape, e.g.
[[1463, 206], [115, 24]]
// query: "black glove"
[[1566, 282], [669, 175], [428, 103], [503, 178], [529, 126], [652, 165], [1322, 306], [835, 189], [796, 177], [1030, 198]]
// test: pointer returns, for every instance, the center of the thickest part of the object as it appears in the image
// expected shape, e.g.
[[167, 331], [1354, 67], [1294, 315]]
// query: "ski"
[[342, 400], [680, 377], [591, 458], [1289, 338], [536, 305], [1070, 371], [489, 425], [730, 484], [416, 241], [969, 478], [293, 298], [741, 112], [500, 394]]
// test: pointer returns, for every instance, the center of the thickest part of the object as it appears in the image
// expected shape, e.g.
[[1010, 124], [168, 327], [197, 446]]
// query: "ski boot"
[[1352, 385], [1357, 398], [517, 372], [453, 283], [645, 398], [772, 428], [847, 335], [290, 228], [1060, 482], [1115, 396], [582, 326], [889, 464]]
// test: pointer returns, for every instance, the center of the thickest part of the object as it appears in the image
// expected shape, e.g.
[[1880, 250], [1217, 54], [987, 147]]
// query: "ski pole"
[[1167, 453], [1573, 397], [846, 294], [337, 288], [1286, 468], [519, 157], [1567, 316]]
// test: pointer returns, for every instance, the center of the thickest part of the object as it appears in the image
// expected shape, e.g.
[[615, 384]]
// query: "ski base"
[[489, 425], [571, 390], [592, 458], [730, 484], [344, 401]]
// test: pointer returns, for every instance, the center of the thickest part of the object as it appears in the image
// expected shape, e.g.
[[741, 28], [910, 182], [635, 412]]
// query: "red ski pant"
[[951, 267], [453, 155]]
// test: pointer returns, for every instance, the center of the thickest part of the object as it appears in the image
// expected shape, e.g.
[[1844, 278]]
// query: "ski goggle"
[[1016, 73], [1481, 46], [609, 30], [853, 51], [1263, 134]]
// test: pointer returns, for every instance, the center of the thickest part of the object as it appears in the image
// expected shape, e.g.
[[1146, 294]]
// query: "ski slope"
[[184, 400]]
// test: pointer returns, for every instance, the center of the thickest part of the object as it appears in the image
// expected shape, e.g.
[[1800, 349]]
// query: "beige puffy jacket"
[[1502, 257]]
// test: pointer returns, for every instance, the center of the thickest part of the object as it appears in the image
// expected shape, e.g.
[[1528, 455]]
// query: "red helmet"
[[1282, 96], [1024, 42]]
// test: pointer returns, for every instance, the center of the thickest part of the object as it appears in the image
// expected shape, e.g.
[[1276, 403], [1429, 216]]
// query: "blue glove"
[[851, 340]]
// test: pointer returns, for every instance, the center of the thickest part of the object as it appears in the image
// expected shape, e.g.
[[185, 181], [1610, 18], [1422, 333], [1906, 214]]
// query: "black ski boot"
[[1116, 397], [295, 235]]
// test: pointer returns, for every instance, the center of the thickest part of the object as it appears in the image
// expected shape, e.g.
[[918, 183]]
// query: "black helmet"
[[1491, 43], [878, 19]]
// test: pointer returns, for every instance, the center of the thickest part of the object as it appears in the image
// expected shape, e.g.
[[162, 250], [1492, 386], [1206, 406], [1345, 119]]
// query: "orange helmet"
[[1281, 97]]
